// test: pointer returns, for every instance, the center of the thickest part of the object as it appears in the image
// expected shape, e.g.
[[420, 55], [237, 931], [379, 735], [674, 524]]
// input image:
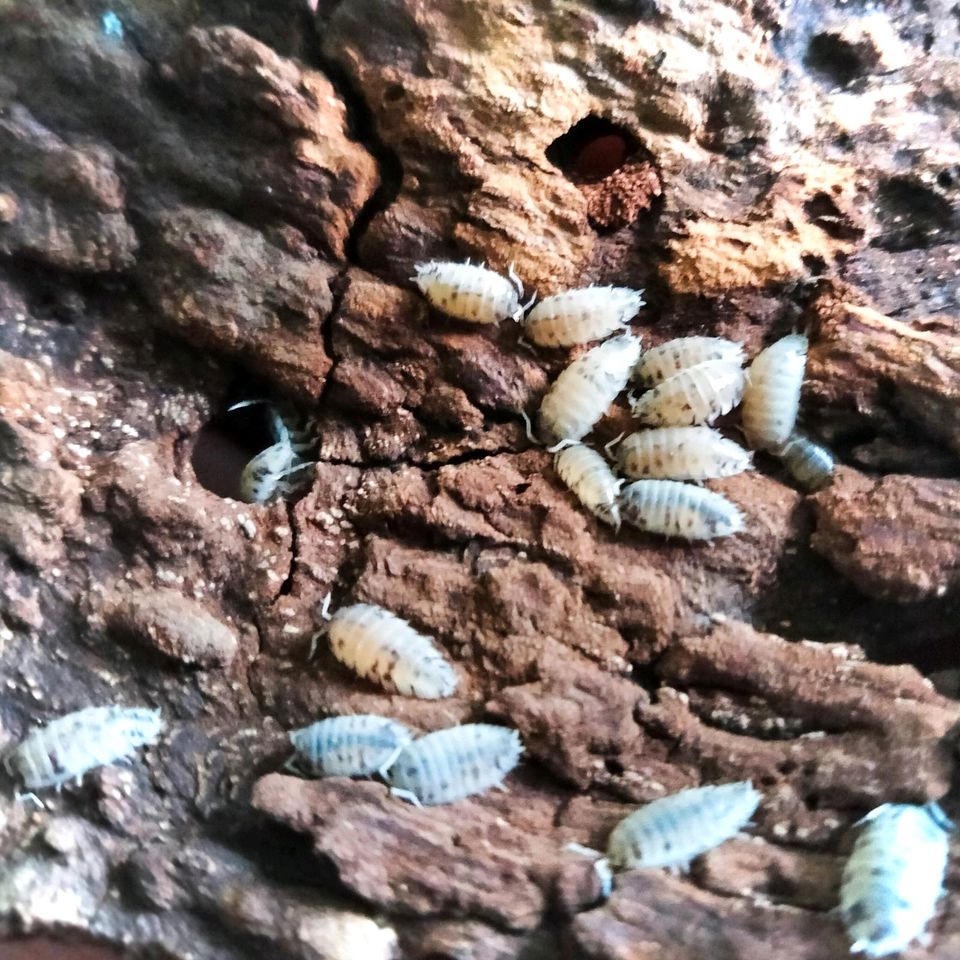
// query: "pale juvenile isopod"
[[662, 362], [379, 646], [808, 463], [469, 292], [676, 509], [592, 481], [352, 746], [455, 763], [698, 394], [894, 876], [578, 316], [671, 831], [584, 390], [71, 745], [681, 453], [771, 397]]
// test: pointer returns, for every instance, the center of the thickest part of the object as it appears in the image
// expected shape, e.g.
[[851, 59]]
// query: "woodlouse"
[[351, 746], [698, 394], [71, 745], [470, 292], [894, 876], [662, 362], [380, 646], [578, 316], [592, 481], [771, 397], [458, 762], [676, 509], [808, 463], [681, 453], [580, 396], [671, 831]]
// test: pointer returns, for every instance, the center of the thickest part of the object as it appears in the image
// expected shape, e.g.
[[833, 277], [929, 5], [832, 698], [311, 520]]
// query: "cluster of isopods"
[[691, 382]]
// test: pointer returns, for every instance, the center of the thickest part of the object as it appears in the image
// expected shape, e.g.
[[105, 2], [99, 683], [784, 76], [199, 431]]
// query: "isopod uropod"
[[584, 390], [671, 831], [894, 876], [351, 746], [455, 763], [659, 363], [578, 316], [590, 478], [470, 292], [681, 453], [676, 509], [697, 394], [771, 397], [378, 645], [808, 463], [73, 744]]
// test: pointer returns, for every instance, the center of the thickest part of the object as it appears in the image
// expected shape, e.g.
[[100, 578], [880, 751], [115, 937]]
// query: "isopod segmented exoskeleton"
[[80, 741], [590, 478], [676, 509], [378, 645], [469, 292], [698, 394], [681, 453], [660, 363], [771, 397], [671, 831], [578, 316], [584, 390], [894, 876], [808, 463], [455, 763], [352, 746]]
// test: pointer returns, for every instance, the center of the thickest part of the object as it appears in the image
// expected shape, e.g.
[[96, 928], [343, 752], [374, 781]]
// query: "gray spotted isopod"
[[350, 746], [470, 292], [592, 481], [809, 464], [696, 395], [66, 748], [771, 397], [894, 876], [578, 316], [458, 762], [671, 831], [681, 453], [675, 509], [662, 362]]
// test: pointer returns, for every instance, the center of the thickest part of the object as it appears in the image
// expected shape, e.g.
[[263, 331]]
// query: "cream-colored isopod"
[[696, 395], [659, 363], [676, 509], [671, 831], [771, 397], [590, 478], [470, 292], [681, 453], [378, 645], [582, 393], [809, 464], [578, 316]]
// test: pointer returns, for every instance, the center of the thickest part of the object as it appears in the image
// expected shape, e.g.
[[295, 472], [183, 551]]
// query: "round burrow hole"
[[592, 149], [226, 444], [836, 60]]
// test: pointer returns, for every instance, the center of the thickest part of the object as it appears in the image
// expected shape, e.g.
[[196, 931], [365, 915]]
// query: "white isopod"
[[671, 831], [894, 876], [470, 292], [584, 390], [659, 363], [352, 746], [771, 397], [681, 453], [455, 763], [698, 394], [378, 645], [578, 316], [71, 745], [808, 463], [590, 478], [676, 509]]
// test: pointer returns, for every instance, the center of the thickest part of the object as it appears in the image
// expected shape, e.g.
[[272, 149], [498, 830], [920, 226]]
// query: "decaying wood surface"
[[224, 200]]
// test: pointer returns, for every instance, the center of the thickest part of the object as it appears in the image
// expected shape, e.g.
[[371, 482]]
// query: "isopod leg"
[[406, 795], [607, 446], [529, 426], [384, 768], [562, 445], [30, 795]]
